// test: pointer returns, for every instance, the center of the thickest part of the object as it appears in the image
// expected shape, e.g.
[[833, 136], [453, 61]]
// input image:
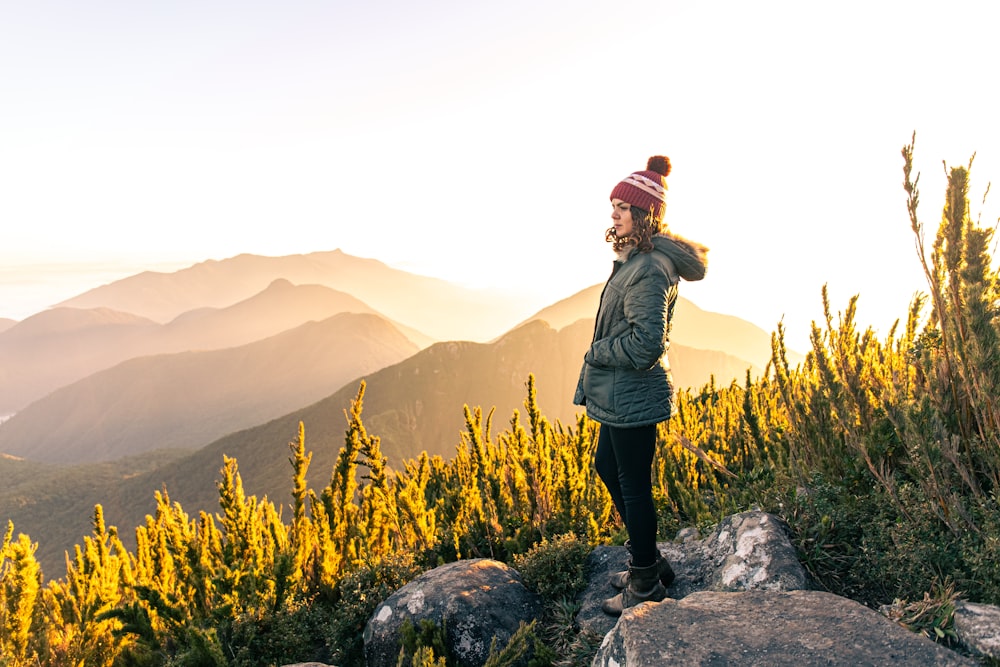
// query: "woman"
[[625, 382]]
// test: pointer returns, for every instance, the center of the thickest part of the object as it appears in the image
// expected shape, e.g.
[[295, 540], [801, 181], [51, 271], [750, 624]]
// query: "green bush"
[[555, 568], [292, 634], [354, 600]]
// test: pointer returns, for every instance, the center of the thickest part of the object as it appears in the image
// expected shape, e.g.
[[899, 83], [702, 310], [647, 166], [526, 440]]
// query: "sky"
[[478, 142]]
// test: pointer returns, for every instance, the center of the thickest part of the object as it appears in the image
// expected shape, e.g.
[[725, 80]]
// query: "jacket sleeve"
[[642, 342]]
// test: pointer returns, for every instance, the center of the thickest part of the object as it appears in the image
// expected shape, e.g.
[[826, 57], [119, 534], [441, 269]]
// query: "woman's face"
[[621, 214]]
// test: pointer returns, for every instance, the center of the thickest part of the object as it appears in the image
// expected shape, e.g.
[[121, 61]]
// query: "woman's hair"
[[644, 227]]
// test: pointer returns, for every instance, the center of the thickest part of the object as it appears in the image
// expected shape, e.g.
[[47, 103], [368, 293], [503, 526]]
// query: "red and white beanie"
[[646, 189]]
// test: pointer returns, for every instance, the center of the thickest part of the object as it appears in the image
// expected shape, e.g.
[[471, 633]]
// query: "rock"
[[751, 551], [765, 627], [978, 628], [477, 600], [746, 551]]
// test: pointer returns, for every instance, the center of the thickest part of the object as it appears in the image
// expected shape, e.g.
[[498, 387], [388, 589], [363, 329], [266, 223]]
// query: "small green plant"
[[523, 645], [932, 617], [424, 657], [572, 646], [555, 568], [424, 646]]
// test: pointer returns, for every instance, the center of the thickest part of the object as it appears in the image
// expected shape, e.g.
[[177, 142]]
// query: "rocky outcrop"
[[740, 597], [474, 600], [747, 551]]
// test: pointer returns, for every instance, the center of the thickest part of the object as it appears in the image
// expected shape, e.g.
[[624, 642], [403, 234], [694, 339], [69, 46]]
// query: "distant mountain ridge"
[[60, 346], [441, 310], [279, 307], [189, 399]]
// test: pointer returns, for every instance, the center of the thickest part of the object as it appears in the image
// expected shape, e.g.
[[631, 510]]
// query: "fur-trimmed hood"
[[688, 257]]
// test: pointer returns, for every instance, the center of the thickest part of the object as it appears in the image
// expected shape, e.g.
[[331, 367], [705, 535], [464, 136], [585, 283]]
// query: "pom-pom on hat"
[[646, 189]]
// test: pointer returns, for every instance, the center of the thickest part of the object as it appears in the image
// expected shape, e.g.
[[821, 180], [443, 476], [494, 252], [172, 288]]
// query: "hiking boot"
[[643, 586], [666, 574]]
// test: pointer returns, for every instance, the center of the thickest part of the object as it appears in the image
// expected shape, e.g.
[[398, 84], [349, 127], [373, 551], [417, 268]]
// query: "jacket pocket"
[[599, 387]]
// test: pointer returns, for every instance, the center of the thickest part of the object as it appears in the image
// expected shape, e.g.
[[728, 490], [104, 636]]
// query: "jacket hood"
[[690, 258]]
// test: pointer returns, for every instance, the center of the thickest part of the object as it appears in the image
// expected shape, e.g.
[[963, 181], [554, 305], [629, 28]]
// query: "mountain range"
[[439, 309], [164, 401], [185, 399], [64, 344]]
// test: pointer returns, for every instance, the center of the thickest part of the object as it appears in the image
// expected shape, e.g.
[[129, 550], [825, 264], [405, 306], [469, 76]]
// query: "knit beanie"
[[646, 189]]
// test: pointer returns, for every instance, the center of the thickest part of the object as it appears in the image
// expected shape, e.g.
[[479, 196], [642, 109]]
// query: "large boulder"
[[762, 627], [475, 600]]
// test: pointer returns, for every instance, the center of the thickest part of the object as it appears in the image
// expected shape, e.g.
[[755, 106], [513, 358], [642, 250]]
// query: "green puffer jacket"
[[625, 380]]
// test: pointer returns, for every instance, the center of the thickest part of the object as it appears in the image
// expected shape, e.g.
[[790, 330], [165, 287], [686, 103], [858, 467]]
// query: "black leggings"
[[624, 461]]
